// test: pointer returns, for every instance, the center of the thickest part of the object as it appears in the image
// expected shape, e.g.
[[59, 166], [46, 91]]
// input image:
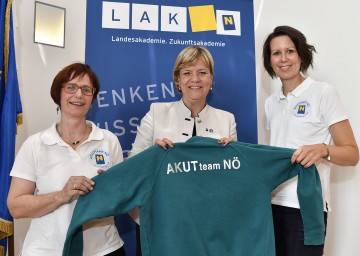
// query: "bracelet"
[[328, 153]]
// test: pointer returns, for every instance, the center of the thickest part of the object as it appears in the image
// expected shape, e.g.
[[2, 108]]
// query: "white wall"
[[330, 25], [37, 65]]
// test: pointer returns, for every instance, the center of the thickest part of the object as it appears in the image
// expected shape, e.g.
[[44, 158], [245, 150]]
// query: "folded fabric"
[[200, 198]]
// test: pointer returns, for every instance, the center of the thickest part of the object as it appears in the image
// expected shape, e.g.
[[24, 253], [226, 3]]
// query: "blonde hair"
[[188, 57]]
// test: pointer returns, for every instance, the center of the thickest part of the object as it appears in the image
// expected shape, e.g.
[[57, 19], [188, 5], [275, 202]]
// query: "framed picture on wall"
[[49, 24]]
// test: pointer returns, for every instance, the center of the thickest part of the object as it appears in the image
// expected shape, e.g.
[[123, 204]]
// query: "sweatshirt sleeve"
[[118, 190], [275, 168], [311, 205], [308, 190]]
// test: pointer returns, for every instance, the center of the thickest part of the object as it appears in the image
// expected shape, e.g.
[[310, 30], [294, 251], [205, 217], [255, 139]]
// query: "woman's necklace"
[[74, 143], [78, 141]]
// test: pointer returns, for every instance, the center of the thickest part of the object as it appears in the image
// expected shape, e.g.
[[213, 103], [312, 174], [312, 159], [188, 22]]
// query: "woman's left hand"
[[100, 171], [164, 143], [309, 154], [225, 141]]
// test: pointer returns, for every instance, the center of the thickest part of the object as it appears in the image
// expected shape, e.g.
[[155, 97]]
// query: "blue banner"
[[132, 46], [10, 109]]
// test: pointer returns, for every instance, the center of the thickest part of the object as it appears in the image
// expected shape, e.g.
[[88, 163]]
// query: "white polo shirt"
[[303, 118], [47, 160]]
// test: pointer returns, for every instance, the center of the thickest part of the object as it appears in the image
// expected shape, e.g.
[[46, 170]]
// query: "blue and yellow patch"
[[302, 109], [100, 158]]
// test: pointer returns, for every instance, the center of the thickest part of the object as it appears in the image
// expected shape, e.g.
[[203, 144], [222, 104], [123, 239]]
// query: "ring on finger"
[[74, 186]]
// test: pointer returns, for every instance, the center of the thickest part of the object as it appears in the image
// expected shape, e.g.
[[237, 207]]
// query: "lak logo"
[[151, 17]]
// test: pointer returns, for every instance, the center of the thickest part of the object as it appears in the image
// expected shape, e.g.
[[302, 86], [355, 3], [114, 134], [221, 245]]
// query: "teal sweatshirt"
[[200, 198]]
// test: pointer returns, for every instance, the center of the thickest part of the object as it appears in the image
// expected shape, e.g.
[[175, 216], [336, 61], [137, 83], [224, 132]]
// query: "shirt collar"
[[298, 90], [51, 137], [187, 112]]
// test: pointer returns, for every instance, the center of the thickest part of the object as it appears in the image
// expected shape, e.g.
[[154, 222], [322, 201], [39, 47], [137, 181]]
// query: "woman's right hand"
[[23, 202], [225, 141], [76, 186], [164, 143]]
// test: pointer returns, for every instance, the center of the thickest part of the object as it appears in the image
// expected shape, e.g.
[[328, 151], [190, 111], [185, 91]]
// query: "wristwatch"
[[327, 157]]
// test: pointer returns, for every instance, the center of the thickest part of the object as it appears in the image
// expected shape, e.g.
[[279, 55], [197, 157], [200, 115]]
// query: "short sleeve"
[[332, 109], [26, 161]]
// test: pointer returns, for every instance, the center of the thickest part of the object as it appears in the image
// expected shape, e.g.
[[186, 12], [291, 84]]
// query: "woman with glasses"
[[167, 123], [54, 168]]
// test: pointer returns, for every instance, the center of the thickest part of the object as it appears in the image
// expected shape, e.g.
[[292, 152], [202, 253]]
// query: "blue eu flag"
[[10, 111]]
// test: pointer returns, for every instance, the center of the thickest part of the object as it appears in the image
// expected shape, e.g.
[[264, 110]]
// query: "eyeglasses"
[[85, 89]]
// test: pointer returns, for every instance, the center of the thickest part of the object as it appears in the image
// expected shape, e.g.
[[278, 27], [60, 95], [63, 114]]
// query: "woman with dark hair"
[[54, 168], [306, 115]]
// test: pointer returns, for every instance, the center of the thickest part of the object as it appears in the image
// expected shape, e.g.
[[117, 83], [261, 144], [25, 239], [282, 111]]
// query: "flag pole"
[[11, 245]]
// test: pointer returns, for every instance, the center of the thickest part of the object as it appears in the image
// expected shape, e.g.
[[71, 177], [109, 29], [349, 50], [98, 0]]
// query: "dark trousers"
[[118, 252], [289, 233], [138, 244]]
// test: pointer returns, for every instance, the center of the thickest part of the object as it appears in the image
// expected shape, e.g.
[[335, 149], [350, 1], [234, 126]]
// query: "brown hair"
[[70, 72], [305, 50]]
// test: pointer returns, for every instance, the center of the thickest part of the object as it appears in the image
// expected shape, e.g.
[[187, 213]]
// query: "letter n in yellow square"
[[99, 159], [202, 18]]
